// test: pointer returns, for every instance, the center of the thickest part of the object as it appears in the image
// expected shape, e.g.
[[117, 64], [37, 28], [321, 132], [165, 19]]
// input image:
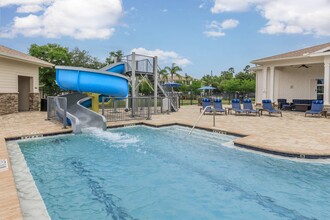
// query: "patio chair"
[[248, 108], [206, 104], [268, 107], [283, 104], [316, 109], [236, 106], [217, 104]]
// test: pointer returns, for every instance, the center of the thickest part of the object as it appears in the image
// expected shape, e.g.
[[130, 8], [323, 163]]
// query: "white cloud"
[[164, 57], [214, 33], [4, 3], [229, 23], [80, 19], [29, 9], [284, 16], [232, 5], [215, 29], [165, 10]]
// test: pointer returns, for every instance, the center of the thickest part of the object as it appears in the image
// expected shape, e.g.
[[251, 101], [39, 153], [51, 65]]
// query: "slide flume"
[[107, 82]]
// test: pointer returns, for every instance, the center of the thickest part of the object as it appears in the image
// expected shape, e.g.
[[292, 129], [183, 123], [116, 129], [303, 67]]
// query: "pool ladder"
[[200, 116]]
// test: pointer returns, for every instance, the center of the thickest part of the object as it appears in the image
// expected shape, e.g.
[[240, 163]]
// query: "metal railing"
[[57, 109], [142, 63], [123, 109], [160, 108]]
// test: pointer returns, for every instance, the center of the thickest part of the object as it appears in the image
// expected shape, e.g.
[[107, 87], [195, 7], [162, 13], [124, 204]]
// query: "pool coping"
[[210, 129], [26, 187], [239, 145], [10, 178]]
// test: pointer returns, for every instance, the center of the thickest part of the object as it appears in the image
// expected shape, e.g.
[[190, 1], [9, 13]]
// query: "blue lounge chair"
[[248, 108], [268, 107], [217, 104], [236, 106], [316, 109], [206, 104]]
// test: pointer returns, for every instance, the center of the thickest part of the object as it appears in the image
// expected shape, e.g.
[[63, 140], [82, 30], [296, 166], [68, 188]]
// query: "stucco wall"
[[295, 83], [9, 72], [290, 82]]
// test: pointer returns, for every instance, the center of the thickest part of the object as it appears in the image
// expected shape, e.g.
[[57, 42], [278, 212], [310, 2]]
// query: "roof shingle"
[[296, 53], [14, 54]]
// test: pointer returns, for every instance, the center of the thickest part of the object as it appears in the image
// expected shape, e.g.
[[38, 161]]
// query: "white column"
[[133, 84], [271, 83], [326, 97], [264, 82], [155, 69], [133, 77]]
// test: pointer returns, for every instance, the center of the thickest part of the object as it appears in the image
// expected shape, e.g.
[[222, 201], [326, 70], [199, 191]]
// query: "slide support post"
[[155, 65]]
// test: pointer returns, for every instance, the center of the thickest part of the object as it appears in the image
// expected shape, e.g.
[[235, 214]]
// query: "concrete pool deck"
[[291, 134]]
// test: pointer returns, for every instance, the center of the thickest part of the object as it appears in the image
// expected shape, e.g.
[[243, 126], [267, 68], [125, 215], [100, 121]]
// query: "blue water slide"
[[108, 82], [95, 81], [115, 68]]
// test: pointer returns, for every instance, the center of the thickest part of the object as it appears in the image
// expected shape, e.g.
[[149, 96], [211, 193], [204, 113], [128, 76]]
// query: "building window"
[[319, 89]]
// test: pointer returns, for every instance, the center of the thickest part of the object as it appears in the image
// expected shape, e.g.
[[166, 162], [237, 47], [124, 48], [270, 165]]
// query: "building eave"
[[40, 63], [261, 61], [320, 54]]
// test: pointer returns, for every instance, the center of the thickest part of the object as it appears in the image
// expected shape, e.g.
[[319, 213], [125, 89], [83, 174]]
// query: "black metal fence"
[[123, 109]]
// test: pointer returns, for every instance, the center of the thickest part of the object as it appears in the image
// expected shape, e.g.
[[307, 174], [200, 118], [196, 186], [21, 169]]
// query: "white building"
[[19, 81], [300, 74]]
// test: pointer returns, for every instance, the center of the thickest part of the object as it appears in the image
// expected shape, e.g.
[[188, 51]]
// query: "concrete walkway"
[[291, 134]]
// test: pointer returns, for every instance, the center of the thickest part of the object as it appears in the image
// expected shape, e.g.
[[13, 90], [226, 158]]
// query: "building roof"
[[16, 55], [297, 53]]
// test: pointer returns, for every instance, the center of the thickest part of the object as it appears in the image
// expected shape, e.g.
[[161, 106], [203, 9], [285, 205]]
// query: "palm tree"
[[115, 55], [207, 80], [173, 71], [187, 78], [163, 74]]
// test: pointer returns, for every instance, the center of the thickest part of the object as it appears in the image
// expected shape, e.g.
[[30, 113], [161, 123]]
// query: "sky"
[[200, 36]]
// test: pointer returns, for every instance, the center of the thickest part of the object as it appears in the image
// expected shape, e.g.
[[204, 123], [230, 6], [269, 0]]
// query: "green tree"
[[145, 88], [228, 74], [173, 70], [247, 86], [163, 74], [231, 86], [114, 55], [246, 74], [208, 80], [195, 85], [52, 53], [187, 78], [81, 58]]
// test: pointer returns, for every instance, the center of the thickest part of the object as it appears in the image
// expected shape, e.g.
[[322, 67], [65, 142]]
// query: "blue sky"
[[199, 35]]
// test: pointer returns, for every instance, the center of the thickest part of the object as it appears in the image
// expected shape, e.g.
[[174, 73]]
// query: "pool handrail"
[[200, 116]]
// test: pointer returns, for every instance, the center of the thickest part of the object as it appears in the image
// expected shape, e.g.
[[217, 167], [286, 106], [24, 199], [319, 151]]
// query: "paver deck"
[[293, 133]]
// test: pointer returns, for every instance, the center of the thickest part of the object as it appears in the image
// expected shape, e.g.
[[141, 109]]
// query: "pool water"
[[164, 173]]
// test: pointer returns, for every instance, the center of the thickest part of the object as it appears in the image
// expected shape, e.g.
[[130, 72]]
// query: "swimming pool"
[[162, 173]]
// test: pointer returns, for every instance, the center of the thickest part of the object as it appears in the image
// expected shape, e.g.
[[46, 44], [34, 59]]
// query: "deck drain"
[[31, 136], [219, 132], [3, 165]]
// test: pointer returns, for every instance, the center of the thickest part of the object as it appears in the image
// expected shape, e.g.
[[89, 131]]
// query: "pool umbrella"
[[207, 88], [172, 84]]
